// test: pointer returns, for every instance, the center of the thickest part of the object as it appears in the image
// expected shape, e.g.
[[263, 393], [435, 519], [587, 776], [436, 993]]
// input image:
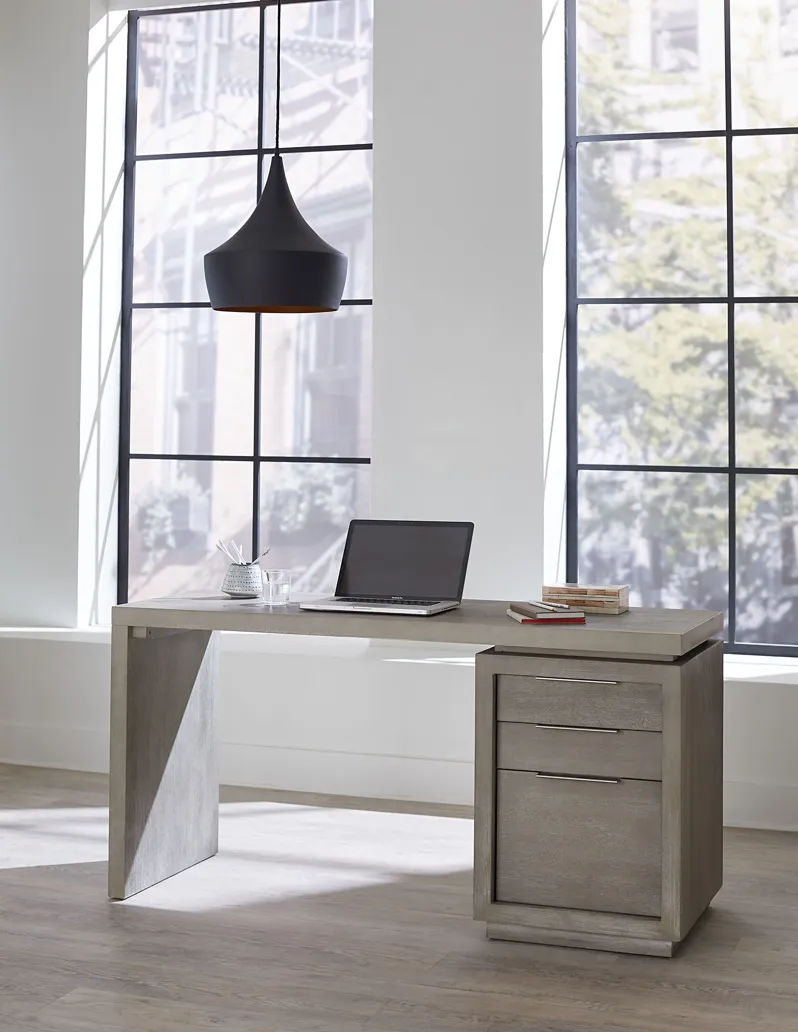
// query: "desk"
[[632, 701]]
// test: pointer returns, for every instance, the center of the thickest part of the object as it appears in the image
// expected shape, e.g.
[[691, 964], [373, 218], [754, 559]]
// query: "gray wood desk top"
[[655, 633]]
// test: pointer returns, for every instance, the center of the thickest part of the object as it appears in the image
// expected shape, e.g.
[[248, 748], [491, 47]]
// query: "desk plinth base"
[[583, 940]]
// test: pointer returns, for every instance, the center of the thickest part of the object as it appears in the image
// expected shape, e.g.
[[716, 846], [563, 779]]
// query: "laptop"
[[400, 566]]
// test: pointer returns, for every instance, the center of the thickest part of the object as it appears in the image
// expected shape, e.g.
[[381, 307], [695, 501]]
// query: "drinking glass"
[[276, 587]]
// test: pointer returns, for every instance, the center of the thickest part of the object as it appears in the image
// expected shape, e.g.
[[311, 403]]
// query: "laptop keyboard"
[[389, 601]]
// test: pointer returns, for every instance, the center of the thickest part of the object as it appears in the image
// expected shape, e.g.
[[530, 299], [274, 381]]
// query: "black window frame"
[[128, 306], [573, 302]]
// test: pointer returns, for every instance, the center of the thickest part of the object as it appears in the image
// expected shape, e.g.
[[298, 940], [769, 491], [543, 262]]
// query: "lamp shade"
[[275, 262]]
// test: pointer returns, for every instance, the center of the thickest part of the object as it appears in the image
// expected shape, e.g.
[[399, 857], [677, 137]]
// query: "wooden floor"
[[334, 920]]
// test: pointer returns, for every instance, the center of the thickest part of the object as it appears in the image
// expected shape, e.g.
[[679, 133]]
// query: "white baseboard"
[[344, 773], [67, 748], [747, 805]]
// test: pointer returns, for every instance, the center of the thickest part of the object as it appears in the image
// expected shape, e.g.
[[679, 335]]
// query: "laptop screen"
[[395, 559]]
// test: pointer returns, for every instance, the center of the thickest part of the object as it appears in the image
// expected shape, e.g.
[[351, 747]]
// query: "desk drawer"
[[574, 701], [586, 845], [580, 751]]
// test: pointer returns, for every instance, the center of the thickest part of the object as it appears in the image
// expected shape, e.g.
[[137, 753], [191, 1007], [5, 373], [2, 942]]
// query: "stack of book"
[[542, 613], [608, 599]]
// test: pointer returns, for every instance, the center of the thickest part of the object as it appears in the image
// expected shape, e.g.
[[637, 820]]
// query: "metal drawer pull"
[[575, 680], [568, 777], [567, 727]]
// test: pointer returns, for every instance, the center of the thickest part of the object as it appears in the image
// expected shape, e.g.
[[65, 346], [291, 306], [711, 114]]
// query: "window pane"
[[666, 534], [193, 385], [650, 65], [764, 41], [765, 215], [653, 384], [766, 379], [198, 81], [316, 386], [326, 73], [333, 190], [305, 512], [177, 512], [652, 218], [767, 559], [185, 208]]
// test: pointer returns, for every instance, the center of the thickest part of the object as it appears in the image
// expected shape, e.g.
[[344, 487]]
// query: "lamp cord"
[[277, 102]]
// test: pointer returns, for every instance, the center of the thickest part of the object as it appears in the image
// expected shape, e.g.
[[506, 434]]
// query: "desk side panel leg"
[[484, 785], [164, 786], [702, 784]]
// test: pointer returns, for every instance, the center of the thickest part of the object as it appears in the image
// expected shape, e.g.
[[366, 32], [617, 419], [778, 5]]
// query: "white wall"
[[348, 717], [760, 754], [457, 278], [554, 371], [43, 53], [98, 10], [102, 318]]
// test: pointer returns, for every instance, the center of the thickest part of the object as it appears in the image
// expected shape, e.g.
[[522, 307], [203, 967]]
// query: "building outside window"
[[675, 35], [788, 27], [253, 428], [683, 307]]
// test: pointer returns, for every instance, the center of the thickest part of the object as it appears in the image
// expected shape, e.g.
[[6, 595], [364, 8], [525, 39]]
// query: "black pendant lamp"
[[275, 262]]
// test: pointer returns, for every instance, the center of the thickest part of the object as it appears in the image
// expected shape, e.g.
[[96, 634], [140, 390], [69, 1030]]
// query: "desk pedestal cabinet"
[[599, 798]]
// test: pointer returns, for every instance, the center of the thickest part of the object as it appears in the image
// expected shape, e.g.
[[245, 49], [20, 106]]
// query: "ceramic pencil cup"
[[243, 581]]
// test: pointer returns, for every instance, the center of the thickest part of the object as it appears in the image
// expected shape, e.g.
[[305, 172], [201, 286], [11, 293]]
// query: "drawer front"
[[598, 753], [586, 845], [611, 704]]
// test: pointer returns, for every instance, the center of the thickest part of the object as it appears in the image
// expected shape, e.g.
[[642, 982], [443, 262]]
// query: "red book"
[[566, 618]]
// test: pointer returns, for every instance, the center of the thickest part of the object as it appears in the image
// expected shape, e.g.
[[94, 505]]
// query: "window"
[[237, 426], [682, 286], [789, 27]]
